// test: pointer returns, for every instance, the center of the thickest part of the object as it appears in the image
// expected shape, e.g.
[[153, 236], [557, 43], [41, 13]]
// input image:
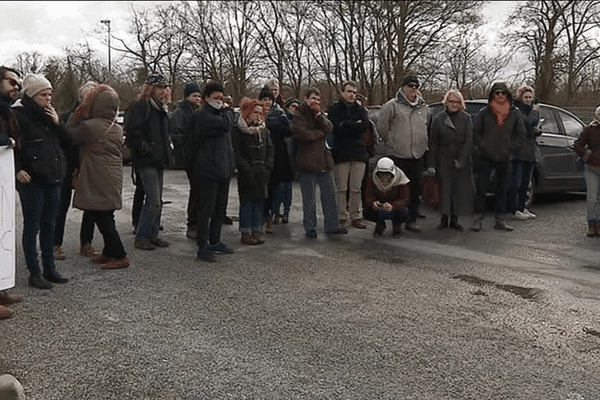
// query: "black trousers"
[[413, 169], [105, 221], [210, 206]]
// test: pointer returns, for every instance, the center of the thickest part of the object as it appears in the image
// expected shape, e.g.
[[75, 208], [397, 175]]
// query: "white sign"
[[8, 251]]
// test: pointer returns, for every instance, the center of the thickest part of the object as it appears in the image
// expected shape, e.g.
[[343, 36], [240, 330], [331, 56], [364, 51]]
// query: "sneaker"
[[221, 248], [503, 226], [87, 250], [519, 216], [311, 233], [159, 242], [143, 244], [116, 264], [529, 214], [59, 253], [205, 254]]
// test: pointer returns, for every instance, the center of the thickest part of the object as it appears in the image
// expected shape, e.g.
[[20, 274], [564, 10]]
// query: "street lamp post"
[[107, 23]]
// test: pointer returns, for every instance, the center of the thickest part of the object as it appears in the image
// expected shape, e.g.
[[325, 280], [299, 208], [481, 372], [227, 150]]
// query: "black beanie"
[[190, 88], [266, 92]]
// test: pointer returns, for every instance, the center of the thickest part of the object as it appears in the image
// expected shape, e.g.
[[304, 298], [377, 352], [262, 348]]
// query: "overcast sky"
[[49, 26]]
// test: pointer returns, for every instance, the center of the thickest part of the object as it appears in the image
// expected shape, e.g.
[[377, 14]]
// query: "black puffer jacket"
[[350, 123], [281, 132], [39, 151], [209, 143], [148, 133]]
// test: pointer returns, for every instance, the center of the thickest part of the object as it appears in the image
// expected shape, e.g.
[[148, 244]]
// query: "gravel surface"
[[349, 317]]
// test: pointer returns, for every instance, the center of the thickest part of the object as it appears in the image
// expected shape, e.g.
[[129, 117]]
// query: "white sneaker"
[[520, 216], [529, 213]]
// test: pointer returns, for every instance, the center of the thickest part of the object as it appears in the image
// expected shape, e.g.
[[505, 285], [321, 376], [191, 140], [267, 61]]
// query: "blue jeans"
[[326, 182], [521, 175], [397, 217], [149, 223], [282, 195], [39, 203], [251, 216]]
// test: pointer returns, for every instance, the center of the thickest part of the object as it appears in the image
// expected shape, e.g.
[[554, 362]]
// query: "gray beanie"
[[10, 388], [33, 84]]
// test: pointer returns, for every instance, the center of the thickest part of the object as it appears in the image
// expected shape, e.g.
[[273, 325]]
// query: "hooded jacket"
[[100, 181], [39, 151], [403, 127]]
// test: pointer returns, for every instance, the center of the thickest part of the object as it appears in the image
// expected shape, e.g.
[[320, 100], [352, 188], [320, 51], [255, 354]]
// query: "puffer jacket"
[[148, 133], [39, 151], [210, 153], [311, 132], [99, 185], [403, 128]]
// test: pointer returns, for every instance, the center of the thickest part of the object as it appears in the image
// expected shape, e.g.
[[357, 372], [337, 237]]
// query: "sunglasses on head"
[[499, 92]]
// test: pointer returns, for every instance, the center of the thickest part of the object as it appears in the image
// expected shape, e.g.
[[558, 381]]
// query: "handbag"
[[432, 191]]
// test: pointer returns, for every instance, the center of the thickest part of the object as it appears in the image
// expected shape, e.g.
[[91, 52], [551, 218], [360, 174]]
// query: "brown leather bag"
[[432, 191]]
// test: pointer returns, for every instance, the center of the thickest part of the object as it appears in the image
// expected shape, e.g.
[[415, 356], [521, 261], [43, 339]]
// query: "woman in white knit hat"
[[41, 165]]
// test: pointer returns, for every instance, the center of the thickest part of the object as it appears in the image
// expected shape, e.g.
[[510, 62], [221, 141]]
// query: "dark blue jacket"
[[148, 133], [350, 123]]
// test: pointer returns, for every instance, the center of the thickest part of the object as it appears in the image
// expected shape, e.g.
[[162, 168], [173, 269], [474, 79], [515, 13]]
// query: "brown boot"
[[7, 299], [5, 313], [248, 239], [258, 238], [378, 230], [591, 230]]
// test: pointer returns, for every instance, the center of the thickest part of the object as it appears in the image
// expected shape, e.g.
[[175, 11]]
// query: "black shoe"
[[159, 242], [443, 222], [454, 223], [285, 219], [55, 277], [339, 231], [37, 281], [207, 255], [227, 220], [277, 219], [311, 233]]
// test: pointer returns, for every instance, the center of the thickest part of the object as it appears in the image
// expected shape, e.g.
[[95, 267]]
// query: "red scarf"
[[501, 110]]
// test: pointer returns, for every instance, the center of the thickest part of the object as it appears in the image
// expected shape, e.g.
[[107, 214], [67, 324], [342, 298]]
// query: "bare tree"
[[29, 62]]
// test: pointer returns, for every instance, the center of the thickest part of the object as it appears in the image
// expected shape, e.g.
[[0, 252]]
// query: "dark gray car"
[[556, 169]]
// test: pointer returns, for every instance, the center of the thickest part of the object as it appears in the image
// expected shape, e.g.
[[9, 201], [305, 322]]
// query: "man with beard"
[[10, 86]]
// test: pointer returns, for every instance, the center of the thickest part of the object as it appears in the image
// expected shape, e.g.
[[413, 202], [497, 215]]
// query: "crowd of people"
[[270, 142]]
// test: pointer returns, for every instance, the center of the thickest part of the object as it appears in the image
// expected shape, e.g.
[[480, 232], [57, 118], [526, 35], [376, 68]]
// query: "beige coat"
[[100, 182]]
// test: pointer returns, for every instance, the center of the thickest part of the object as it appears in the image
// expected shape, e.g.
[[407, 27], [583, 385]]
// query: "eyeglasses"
[[499, 92], [413, 86]]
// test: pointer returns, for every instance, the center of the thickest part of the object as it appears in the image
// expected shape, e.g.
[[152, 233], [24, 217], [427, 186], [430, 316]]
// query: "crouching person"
[[387, 197]]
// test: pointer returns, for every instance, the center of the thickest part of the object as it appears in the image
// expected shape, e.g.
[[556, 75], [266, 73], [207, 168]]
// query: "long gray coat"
[[451, 144], [100, 183]]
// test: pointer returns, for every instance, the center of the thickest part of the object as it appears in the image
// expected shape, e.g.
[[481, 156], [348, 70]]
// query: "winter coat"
[[209, 142], [254, 159], [179, 119], [39, 151], [451, 146], [498, 143], [313, 155], [148, 133], [398, 196], [531, 118], [590, 137], [281, 131], [99, 185], [9, 126], [403, 128], [350, 123]]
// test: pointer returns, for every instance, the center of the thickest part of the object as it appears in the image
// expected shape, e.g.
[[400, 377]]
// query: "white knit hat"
[[10, 388], [33, 84]]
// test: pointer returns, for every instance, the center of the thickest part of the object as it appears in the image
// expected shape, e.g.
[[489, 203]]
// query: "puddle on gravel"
[[523, 292]]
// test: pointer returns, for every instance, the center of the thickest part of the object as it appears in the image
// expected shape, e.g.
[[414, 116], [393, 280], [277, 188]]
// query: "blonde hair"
[[456, 93], [524, 89]]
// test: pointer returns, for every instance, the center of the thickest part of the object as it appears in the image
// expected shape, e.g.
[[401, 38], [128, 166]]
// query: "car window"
[[572, 126], [549, 125]]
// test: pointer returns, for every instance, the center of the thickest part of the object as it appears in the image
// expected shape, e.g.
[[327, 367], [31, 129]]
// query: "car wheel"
[[530, 192]]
